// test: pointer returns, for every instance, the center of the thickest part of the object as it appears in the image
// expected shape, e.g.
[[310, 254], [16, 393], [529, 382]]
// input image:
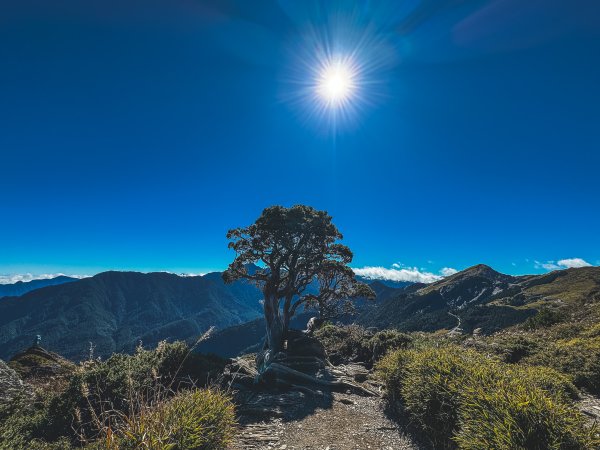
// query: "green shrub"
[[578, 357], [544, 318], [459, 397], [344, 343], [191, 420], [122, 383], [513, 349], [384, 341], [427, 382], [507, 413], [354, 343]]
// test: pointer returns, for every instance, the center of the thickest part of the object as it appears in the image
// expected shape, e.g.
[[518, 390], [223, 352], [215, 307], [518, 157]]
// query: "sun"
[[336, 83]]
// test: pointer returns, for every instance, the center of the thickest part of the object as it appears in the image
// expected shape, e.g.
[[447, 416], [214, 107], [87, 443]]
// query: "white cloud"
[[25, 277], [548, 265], [412, 274], [568, 263], [573, 263], [447, 271]]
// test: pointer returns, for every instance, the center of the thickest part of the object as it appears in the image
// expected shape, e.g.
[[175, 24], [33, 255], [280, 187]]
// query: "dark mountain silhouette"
[[116, 310], [23, 287]]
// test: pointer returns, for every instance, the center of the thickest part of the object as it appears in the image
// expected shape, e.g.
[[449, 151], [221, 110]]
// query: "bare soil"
[[333, 421]]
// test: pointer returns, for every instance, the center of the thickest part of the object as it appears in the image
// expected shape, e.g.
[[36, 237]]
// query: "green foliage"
[[463, 399], [505, 412], [513, 349], [191, 420], [123, 383], [294, 247], [578, 357], [570, 348], [384, 341], [355, 343], [545, 317]]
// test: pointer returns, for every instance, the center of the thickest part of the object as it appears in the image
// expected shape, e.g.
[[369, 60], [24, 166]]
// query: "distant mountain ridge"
[[483, 298], [247, 337], [116, 310], [477, 297], [23, 287]]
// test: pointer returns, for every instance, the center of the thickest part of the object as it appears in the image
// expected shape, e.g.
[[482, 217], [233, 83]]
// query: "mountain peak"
[[481, 270]]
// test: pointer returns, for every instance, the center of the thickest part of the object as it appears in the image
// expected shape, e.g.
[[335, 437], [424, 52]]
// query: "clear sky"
[[133, 134]]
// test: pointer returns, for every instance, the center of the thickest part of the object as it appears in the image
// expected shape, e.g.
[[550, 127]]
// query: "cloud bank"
[[26, 277], [399, 273], [569, 263]]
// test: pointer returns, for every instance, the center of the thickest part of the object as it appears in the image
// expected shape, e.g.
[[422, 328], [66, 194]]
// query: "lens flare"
[[336, 83], [337, 72]]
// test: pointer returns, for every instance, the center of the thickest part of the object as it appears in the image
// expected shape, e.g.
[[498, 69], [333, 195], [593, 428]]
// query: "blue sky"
[[135, 133]]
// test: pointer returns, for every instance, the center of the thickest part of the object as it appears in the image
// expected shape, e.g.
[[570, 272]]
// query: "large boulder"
[[301, 344]]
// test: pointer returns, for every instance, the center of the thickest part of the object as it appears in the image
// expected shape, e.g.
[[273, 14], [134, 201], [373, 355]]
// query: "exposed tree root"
[[282, 374]]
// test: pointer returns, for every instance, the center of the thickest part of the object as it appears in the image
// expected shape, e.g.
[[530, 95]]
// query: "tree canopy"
[[294, 256]]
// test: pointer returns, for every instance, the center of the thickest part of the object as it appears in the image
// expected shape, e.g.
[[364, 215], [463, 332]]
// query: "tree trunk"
[[275, 326]]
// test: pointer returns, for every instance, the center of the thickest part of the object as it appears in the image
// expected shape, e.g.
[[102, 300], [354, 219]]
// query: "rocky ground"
[[590, 406], [333, 421]]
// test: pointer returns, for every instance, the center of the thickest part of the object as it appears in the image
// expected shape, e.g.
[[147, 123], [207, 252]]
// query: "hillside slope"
[[116, 310], [483, 298]]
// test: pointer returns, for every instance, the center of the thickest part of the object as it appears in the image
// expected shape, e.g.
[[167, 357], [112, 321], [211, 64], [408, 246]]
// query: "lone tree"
[[300, 263]]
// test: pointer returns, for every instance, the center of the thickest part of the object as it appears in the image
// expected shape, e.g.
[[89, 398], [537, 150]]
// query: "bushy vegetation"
[[355, 343], [195, 419], [579, 357], [572, 348], [545, 317], [462, 399], [110, 400]]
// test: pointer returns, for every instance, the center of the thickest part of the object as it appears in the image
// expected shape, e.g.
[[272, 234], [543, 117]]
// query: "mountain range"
[[480, 297], [23, 287], [115, 311], [475, 298]]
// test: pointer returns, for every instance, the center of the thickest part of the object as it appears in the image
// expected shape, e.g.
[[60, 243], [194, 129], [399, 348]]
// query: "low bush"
[[513, 349], [102, 394], [545, 317], [191, 420], [462, 399], [355, 343], [384, 341], [579, 357], [510, 413]]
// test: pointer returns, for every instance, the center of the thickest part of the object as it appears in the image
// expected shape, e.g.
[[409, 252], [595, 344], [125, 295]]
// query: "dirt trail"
[[332, 422]]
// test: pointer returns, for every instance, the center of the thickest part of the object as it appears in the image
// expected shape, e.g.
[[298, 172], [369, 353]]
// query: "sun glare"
[[337, 72], [336, 83]]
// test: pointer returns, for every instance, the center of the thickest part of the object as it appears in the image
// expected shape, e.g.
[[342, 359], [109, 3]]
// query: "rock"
[[299, 344], [313, 324], [11, 385], [356, 371]]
